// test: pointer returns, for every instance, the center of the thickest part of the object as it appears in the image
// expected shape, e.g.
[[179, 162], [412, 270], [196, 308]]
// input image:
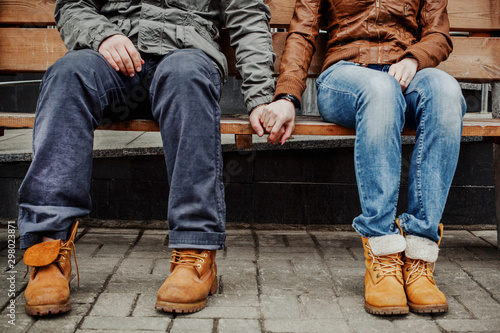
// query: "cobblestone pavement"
[[271, 281]]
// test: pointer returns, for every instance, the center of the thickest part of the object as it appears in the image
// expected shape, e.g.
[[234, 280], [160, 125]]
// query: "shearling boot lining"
[[388, 244], [421, 248]]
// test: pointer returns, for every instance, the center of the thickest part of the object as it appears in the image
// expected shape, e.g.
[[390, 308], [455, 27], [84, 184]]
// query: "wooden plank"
[[484, 16], [474, 125], [474, 59], [29, 50], [475, 15], [36, 12]]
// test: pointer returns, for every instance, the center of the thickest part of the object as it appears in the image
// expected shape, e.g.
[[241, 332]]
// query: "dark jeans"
[[79, 92]]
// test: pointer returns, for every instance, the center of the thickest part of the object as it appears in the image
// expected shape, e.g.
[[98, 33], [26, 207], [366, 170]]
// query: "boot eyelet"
[[205, 254], [378, 275], [199, 266], [202, 260]]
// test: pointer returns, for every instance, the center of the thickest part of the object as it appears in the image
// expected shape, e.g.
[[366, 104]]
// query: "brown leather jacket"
[[366, 32]]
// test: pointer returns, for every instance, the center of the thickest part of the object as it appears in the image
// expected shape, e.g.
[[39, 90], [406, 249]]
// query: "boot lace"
[[68, 246], [417, 269], [187, 259], [390, 265]]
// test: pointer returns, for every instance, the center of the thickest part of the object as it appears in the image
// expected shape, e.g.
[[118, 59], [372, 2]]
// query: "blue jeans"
[[79, 92], [372, 102]]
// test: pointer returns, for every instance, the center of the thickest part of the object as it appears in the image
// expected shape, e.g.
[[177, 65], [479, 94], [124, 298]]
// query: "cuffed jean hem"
[[196, 240], [421, 228], [30, 239], [394, 230]]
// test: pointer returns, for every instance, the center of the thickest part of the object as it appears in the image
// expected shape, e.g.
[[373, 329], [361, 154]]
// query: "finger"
[[256, 125], [127, 61], [288, 133], [110, 60], [118, 61], [276, 132], [137, 61]]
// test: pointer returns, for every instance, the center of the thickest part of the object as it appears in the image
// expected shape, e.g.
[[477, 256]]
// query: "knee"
[[382, 105], [77, 63]]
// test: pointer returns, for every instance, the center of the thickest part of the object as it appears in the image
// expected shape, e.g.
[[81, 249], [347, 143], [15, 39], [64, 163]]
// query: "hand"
[[404, 71], [277, 119], [121, 54]]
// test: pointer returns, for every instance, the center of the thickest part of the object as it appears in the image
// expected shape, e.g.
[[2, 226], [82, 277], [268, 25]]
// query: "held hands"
[[277, 119], [404, 71], [121, 54]]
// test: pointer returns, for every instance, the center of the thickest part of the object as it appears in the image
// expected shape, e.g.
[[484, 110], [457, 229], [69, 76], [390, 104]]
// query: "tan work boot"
[[384, 291], [193, 276], [419, 260], [48, 288]]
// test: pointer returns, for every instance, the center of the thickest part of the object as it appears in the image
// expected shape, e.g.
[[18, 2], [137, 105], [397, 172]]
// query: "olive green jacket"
[[160, 26]]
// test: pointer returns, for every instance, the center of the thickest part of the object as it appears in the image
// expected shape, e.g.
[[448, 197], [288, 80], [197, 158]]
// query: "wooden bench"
[[29, 43]]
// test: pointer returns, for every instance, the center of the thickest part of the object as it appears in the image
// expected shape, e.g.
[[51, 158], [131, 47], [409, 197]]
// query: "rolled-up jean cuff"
[[196, 240], [29, 239]]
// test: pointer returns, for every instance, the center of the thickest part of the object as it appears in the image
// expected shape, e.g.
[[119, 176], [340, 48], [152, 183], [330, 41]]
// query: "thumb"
[[256, 125]]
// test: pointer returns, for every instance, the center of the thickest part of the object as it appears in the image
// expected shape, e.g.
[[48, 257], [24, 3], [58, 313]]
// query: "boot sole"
[[386, 311], [45, 310], [432, 308], [186, 307]]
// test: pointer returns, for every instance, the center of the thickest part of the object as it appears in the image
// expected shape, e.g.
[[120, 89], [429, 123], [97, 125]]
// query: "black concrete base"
[[303, 187]]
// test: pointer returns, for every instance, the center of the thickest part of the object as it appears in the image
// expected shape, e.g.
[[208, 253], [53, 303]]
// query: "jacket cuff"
[[420, 55], [255, 102], [288, 84], [421, 248]]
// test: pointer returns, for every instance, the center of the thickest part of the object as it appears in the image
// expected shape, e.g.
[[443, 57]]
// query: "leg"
[[74, 93], [435, 110], [185, 93], [371, 101]]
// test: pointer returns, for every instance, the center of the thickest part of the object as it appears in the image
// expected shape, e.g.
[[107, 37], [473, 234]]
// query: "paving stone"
[[286, 249], [455, 310], [488, 235], [324, 325], [145, 307], [228, 300], [187, 325], [481, 305], [126, 324], [339, 239], [416, 325], [239, 312], [61, 323], [114, 305], [469, 325], [337, 253], [236, 238], [284, 306], [112, 250], [461, 238], [236, 253], [238, 325]]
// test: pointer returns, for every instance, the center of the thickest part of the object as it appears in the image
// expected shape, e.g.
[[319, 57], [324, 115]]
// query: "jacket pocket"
[[190, 5]]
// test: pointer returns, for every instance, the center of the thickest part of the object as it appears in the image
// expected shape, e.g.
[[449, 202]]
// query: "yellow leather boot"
[[48, 288], [384, 291], [419, 260], [193, 276]]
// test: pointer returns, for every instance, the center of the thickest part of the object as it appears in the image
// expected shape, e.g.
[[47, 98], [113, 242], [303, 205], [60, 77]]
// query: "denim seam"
[[420, 149]]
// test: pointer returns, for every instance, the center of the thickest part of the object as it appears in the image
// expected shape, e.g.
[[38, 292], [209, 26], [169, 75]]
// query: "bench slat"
[[34, 50], [29, 50], [474, 125], [484, 17]]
